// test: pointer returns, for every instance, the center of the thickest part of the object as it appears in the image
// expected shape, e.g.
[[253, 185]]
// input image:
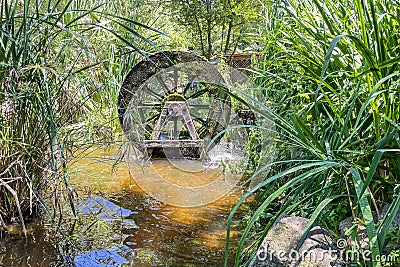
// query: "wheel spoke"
[[149, 104], [151, 92], [202, 121], [197, 94], [175, 80], [152, 118], [163, 85], [199, 106]]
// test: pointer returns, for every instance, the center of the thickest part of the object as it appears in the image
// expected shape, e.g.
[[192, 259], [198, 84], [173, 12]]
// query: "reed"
[[54, 73], [334, 78]]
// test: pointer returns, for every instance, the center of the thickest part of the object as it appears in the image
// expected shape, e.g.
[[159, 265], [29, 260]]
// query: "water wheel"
[[173, 100]]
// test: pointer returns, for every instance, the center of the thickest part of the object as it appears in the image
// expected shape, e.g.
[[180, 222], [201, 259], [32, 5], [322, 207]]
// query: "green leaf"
[[303, 130], [367, 215], [314, 216], [323, 165], [374, 164], [388, 218], [328, 56]]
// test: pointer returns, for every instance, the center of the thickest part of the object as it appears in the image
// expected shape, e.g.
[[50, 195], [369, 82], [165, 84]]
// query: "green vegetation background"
[[328, 72]]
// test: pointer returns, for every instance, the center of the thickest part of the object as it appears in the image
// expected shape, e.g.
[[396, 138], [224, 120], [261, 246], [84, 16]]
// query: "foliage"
[[328, 77], [214, 27], [336, 67], [52, 76]]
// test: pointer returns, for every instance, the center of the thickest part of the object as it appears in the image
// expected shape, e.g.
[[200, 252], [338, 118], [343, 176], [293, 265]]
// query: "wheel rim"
[[172, 76]]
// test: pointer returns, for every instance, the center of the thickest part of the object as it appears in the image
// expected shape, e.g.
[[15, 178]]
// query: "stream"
[[121, 225]]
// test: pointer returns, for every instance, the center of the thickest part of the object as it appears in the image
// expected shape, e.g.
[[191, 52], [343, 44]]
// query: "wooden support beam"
[[173, 143]]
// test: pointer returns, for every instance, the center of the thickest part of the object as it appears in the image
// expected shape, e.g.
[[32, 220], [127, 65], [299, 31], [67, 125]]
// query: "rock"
[[345, 225], [363, 240], [279, 246], [396, 219]]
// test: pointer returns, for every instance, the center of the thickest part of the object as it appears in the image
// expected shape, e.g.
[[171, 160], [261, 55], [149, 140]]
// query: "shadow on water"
[[120, 225]]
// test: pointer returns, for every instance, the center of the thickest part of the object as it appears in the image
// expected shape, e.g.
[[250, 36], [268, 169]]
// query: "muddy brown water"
[[153, 234]]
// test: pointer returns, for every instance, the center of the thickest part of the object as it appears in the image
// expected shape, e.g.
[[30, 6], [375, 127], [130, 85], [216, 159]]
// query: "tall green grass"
[[55, 80], [334, 76], [32, 92]]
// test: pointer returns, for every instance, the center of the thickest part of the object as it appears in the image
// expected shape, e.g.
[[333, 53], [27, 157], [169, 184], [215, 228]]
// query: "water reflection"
[[103, 257], [149, 233]]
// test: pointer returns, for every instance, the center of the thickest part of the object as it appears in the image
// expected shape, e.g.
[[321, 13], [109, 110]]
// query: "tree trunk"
[[228, 36], [201, 35], [209, 29]]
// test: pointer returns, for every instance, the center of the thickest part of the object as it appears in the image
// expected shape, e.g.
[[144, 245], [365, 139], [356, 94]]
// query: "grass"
[[53, 73], [336, 105], [328, 77]]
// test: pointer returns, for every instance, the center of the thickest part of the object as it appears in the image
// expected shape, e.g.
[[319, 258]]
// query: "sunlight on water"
[[121, 225], [175, 233]]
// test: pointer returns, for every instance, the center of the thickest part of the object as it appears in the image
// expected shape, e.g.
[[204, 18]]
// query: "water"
[[150, 233]]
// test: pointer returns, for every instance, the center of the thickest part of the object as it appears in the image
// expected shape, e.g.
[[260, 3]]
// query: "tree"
[[216, 26]]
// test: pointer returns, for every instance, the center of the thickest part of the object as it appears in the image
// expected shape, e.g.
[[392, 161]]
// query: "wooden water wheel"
[[173, 100]]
